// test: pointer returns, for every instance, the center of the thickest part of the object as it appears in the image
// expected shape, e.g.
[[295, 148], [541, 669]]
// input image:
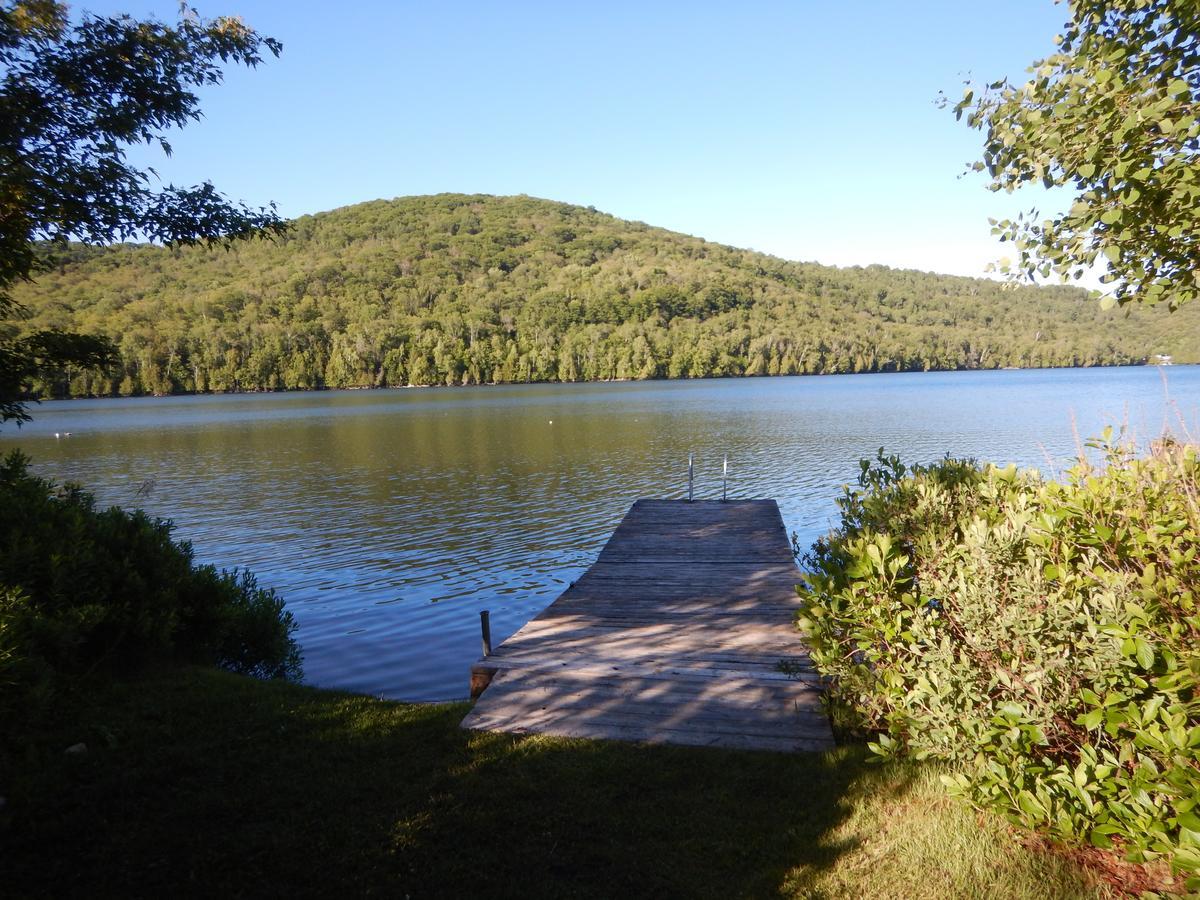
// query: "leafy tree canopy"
[[73, 97], [1113, 116]]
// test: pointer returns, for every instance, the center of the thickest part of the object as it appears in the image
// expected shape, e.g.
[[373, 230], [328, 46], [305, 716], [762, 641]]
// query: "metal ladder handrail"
[[724, 477]]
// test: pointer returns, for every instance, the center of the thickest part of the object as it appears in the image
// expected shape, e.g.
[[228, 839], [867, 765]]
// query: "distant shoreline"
[[402, 387]]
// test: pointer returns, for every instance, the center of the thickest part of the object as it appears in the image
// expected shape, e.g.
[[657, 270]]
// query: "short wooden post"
[[486, 625], [481, 677]]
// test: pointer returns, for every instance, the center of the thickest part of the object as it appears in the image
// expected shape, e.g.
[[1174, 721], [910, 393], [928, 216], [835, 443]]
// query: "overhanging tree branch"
[[72, 98], [1114, 115]]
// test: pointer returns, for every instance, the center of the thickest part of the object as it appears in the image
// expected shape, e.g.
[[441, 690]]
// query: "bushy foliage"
[[85, 589], [456, 289], [1041, 634]]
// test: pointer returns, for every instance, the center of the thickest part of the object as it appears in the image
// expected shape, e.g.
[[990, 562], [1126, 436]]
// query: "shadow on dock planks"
[[674, 635]]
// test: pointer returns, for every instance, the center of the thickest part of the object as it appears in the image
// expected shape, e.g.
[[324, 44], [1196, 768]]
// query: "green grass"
[[201, 783]]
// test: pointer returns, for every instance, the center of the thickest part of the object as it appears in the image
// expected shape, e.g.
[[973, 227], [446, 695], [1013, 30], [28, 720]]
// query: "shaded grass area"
[[197, 782]]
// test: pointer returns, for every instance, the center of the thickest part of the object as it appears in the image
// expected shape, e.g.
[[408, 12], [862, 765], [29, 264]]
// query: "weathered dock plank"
[[674, 635]]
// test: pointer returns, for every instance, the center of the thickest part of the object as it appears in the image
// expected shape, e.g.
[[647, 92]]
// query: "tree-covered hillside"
[[455, 289]]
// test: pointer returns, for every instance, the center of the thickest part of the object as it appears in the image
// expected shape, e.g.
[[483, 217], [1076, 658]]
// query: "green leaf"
[[1144, 652], [1189, 820], [1030, 806]]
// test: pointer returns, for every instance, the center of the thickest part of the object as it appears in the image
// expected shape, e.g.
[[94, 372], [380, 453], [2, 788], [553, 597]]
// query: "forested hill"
[[454, 289]]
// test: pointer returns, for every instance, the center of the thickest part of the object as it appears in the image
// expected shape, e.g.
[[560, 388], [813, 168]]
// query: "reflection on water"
[[388, 519]]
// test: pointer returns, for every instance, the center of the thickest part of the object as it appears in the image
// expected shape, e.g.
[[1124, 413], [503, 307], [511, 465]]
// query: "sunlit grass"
[[916, 841], [206, 783]]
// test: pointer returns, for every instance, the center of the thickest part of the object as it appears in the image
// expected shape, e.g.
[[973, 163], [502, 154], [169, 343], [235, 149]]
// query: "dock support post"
[[689, 478], [486, 625], [481, 676]]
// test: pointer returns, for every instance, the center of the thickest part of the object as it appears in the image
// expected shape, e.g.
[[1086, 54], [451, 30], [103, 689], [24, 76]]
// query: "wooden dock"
[[674, 635]]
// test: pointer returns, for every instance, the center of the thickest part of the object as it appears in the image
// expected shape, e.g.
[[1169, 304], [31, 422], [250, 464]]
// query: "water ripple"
[[388, 519]]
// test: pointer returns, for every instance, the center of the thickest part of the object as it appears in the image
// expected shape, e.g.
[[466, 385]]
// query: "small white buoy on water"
[[551, 421], [56, 434]]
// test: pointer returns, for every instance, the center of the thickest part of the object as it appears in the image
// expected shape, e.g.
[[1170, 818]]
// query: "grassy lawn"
[[201, 783]]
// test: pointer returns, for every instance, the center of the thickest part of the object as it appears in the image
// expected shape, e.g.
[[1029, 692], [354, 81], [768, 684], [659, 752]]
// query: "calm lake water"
[[388, 519]]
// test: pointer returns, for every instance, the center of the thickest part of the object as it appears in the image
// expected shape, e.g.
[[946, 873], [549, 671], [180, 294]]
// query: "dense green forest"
[[455, 289]]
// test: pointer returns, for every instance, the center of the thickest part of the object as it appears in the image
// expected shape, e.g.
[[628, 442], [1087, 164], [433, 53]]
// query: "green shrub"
[[85, 590], [1042, 635]]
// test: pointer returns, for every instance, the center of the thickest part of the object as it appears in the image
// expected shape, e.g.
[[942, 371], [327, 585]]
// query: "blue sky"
[[805, 129]]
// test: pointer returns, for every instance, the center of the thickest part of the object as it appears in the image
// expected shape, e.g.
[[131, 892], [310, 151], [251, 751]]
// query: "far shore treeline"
[[455, 289]]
